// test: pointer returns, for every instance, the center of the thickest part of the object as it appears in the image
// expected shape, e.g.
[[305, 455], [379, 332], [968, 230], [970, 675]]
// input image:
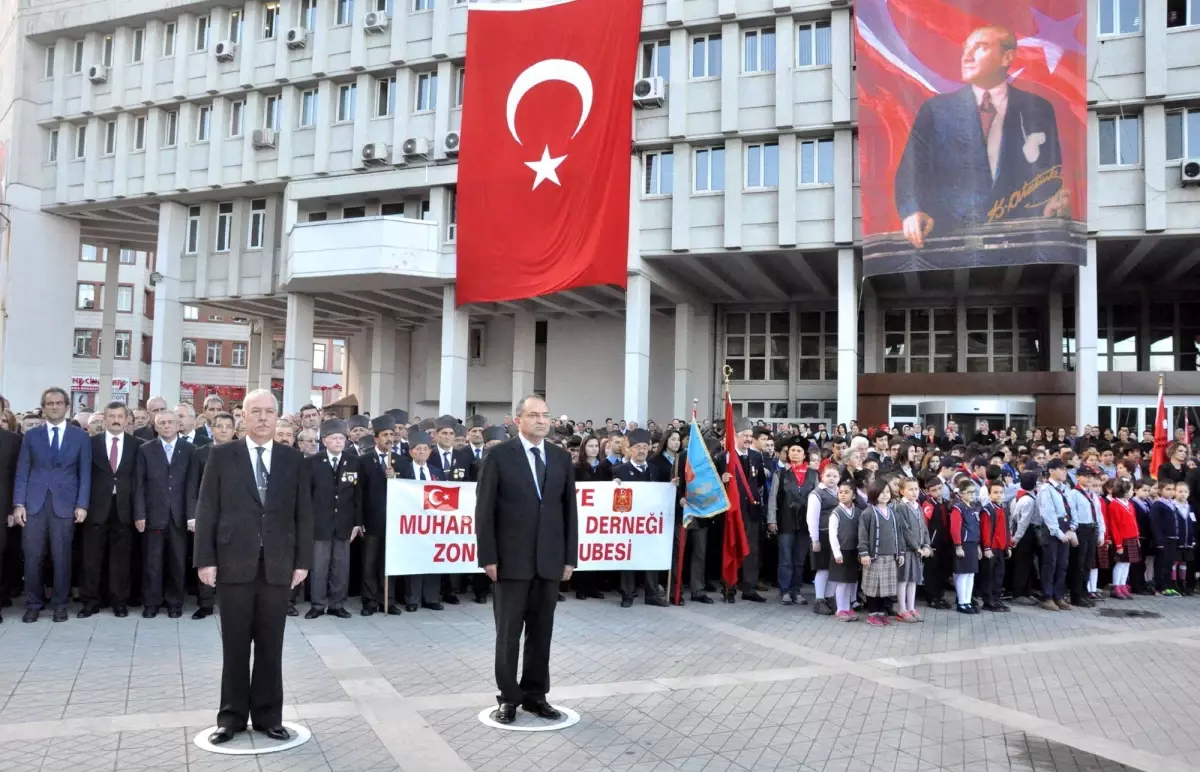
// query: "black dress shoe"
[[450, 600], [658, 602], [541, 709], [87, 611], [409, 607], [626, 602], [481, 599], [394, 610], [340, 613], [314, 612], [753, 597], [275, 733], [581, 596], [292, 612], [202, 613], [149, 612], [368, 610], [120, 611], [594, 595], [561, 597], [223, 735], [506, 713], [30, 616], [174, 613], [702, 598], [60, 615], [433, 606]]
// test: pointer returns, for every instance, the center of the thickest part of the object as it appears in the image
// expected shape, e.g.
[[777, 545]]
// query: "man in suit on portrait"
[[985, 153], [525, 516]]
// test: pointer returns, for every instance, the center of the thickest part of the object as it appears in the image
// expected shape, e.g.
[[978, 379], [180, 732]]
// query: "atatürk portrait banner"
[[972, 120]]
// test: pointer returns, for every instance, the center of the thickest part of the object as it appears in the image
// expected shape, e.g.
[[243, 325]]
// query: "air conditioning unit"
[[376, 21], [415, 147], [297, 37], [98, 73], [225, 50], [89, 304], [450, 143], [650, 92], [264, 138], [1189, 172], [375, 154]]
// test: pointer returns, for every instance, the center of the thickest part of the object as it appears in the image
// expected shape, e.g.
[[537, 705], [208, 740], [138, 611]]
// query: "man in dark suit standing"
[[10, 450], [187, 426], [456, 465], [753, 507], [638, 469], [337, 520], [254, 535], [222, 428], [972, 153], [107, 532], [164, 501], [422, 590], [375, 467], [527, 529], [51, 491]]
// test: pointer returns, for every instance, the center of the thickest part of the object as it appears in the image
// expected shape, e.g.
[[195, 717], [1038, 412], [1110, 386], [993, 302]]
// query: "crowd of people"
[[103, 506]]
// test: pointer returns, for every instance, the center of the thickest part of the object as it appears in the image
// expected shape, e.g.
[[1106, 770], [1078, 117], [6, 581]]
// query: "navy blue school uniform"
[[1164, 526], [964, 529]]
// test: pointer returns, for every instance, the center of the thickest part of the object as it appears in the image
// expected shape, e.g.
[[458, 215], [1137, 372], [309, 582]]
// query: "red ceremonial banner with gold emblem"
[[972, 120]]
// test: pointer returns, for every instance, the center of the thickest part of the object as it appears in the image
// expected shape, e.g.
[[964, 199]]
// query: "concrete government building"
[[288, 168]]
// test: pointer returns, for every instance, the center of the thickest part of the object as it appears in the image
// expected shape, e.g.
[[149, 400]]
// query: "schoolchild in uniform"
[[939, 564], [997, 546], [964, 530], [916, 549], [1123, 533], [1144, 493], [843, 546], [1165, 525], [1025, 521], [881, 552], [821, 504], [1185, 519]]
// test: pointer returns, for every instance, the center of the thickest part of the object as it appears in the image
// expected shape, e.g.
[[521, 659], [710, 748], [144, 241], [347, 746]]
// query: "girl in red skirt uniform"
[[1121, 519]]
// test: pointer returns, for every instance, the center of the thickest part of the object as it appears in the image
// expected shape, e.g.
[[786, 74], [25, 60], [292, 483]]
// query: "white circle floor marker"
[[528, 723], [251, 743]]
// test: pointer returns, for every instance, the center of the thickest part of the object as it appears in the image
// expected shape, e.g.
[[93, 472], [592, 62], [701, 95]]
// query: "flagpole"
[[678, 585]]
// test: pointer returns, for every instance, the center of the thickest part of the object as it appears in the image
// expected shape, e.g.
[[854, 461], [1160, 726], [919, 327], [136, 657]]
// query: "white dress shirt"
[[333, 460], [190, 437], [541, 446], [421, 469], [169, 448], [62, 430], [996, 134], [253, 446]]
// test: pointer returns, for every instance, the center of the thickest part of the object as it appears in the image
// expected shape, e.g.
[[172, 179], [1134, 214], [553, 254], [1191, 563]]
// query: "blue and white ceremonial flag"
[[705, 494]]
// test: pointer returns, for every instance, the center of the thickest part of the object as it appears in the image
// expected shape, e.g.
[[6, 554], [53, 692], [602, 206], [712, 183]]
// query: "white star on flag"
[[546, 168]]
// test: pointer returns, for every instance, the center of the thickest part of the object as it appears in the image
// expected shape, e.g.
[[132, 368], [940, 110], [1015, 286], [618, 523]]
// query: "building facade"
[[292, 162]]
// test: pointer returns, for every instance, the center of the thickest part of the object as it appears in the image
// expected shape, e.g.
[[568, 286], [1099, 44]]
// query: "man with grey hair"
[[187, 426], [306, 440], [154, 406]]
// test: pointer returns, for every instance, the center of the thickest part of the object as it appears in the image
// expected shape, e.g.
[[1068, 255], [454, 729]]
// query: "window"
[[168, 44], [762, 165], [110, 137], [814, 43], [125, 299], [425, 210], [383, 6], [308, 108], [235, 26], [818, 355], [52, 146], [139, 133], [709, 172], [756, 346], [660, 174], [1183, 133], [137, 49], [77, 57], [236, 111], [1182, 13], [191, 313], [192, 240], [759, 50], [128, 257], [760, 410], [344, 13], [1120, 17], [385, 97], [201, 33], [258, 223], [238, 355], [353, 212], [460, 85], [452, 225], [318, 359], [85, 343], [189, 351], [224, 226], [426, 92], [1120, 140], [308, 14], [706, 56], [85, 297], [215, 318], [212, 353], [203, 122], [1003, 340], [814, 412], [106, 51], [80, 142], [347, 96], [270, 20], [1188, 316], [656, 59], [320, 216], [171, 129], [48, 71], [816, 162], [124, 342], [920, 340], [475, 343], [89, 254], [1116, 338], [422, 5], [271, 108]]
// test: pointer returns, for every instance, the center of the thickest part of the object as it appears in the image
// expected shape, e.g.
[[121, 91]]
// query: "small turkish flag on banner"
[[547, 129]]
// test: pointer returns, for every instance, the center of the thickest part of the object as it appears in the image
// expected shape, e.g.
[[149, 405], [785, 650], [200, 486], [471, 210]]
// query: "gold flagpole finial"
[[1160, 380]]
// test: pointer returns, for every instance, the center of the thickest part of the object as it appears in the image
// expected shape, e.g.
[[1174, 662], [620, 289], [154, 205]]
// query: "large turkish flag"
[[547, 130]]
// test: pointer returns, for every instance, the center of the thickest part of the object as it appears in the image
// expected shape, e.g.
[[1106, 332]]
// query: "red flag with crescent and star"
[[547, 129]]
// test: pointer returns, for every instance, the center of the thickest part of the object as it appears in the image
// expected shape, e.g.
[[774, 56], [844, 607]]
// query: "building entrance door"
[[968, 413]]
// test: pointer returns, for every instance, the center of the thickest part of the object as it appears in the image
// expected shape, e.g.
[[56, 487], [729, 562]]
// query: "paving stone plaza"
[[703, 688]]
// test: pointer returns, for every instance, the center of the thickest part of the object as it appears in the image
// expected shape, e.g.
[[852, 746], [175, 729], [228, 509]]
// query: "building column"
[[524, 355], [358, 366], [298, 352], [847, 338], [637, 349], [108, 324], [1087, 382], [382, 342], [266, 355], [253, 357], [166, 363], [681, 405], [1054, 331], [456, 328], [872, 329]]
